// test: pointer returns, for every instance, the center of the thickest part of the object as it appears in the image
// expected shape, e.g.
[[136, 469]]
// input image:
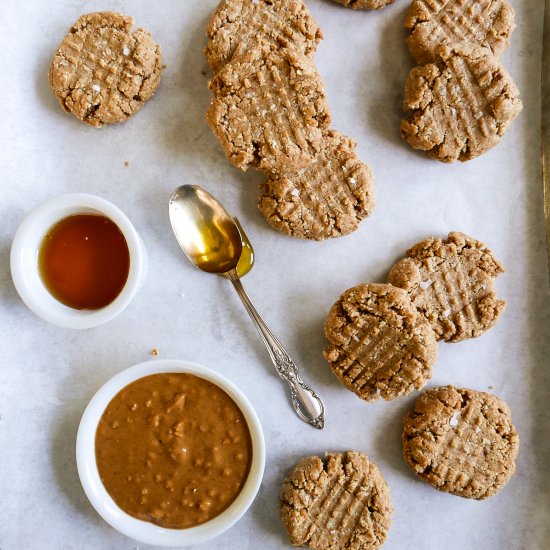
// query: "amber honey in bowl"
[[84, 261], [173, 449]]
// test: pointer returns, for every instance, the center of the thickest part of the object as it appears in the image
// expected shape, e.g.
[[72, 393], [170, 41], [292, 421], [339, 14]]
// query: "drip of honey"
[[84, 261], [246, 261]]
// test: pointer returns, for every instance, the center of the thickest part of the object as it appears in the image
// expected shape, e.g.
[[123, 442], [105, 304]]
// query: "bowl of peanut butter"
[[170, 453]]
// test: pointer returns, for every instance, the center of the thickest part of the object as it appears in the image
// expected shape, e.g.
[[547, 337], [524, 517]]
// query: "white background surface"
[[48, 374]]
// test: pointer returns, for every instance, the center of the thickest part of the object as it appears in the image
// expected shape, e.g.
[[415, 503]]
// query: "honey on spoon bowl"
[[211, 240]]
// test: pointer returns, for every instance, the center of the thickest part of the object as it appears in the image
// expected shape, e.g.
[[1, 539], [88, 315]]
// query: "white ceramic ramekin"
[[143, 531], [24, 260]]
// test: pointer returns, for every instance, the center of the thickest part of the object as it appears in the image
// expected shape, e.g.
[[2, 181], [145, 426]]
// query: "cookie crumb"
[[491, 387], [154, 352], [203, 72], [126, 164]]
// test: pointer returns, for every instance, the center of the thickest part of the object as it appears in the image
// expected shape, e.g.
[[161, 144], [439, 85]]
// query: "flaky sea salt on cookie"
[[103, 72], [381, 346], [339, 502], [269, 110], [452, 284], [487, 23], [461, 441], [328, 198], [237, 26], [460, 106]]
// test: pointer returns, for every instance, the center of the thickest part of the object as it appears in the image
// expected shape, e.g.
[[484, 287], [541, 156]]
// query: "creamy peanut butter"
[[173, 449]]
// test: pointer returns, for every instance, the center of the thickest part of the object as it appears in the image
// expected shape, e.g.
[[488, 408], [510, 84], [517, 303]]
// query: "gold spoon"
[[211, 240]]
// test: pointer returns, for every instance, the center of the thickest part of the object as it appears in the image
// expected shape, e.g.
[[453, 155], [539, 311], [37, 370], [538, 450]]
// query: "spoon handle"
[[306, 403]]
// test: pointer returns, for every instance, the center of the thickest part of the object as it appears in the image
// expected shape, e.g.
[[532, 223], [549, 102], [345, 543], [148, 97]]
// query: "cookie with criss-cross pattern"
[[460, 106], [487, 23], [452, 284], [328, 198], [269, 110], [365, 4], [461, 441], [103, 72], [237, 26], [381, 346], [339, 503]]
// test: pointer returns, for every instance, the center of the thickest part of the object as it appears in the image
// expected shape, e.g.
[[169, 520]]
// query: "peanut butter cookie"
[[239, 25], [103, 72], [461, 441], [269, 110], [460, 106], [487, 23], [328, 198], [381, 346], [339, 503], [365, 4], [452, 284]]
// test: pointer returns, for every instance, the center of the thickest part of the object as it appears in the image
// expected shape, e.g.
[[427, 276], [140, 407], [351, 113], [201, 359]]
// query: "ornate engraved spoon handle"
[[305, 401]]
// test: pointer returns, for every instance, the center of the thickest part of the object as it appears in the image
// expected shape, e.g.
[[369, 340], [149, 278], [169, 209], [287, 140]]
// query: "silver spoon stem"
[[305, 401]]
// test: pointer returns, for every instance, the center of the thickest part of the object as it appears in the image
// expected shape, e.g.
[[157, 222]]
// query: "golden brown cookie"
[[365, 4], [487, 23], [328, 198], [269, 110], [381, 346], [339, 503], [459, 107], [461, 441], [452, 284], [237, 26], [103, 72]]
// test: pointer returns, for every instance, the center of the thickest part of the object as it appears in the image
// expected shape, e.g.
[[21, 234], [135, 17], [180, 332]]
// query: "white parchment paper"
[[48, 374]]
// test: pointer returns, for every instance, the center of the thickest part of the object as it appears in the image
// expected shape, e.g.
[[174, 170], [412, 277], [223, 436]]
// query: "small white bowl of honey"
[[77, 261]]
